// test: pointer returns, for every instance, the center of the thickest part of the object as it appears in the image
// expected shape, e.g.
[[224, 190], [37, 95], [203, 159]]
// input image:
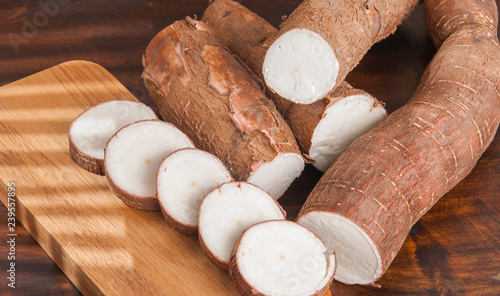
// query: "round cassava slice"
[[184, 178], [227, 211], [90, 131], [281, 258], [132, 158]]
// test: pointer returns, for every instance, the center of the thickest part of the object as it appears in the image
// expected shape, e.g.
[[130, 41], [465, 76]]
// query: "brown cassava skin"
[[176, 225], [132, 200], [437, 16], [351, 27], [388, 178], [215, 260], [91, 164], [248, 35], [208, 94]]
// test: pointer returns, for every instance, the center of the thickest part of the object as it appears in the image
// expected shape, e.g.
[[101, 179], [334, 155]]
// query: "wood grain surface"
[[453, 250], [102, 245]]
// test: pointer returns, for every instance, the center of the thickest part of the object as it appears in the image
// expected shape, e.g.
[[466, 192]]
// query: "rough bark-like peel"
[[201, 88], [248, 35], [349, 27], [388, 178]]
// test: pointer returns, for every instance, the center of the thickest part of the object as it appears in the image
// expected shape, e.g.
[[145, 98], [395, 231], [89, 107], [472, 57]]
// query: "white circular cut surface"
[[134, 153], [92, 129], [357, 257], [230, 209], [300, 66], [184, 178], [284, 258], [276, 176], [342, 123]]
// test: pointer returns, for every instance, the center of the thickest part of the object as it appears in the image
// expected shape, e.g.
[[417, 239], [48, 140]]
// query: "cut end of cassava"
[[358, 259], [300, 66], [342, 123], [276, 176], [281, 258], [133, 155], [229, 210], [90, 131], [184, 178]]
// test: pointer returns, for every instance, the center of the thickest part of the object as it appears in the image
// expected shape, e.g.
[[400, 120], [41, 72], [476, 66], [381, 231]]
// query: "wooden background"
[[452, 250]]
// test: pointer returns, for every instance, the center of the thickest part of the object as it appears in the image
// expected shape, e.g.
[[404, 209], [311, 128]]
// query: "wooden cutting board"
[[103, 246]]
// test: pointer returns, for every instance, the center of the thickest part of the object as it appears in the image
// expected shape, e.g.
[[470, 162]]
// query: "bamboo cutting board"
[[103, 246]]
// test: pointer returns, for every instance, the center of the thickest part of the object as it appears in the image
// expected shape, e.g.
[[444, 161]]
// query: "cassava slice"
[[366, 203], [91, 130], [323, 129], [227, 211], [212, 97], [281, 258], [184, 178], [323, 40], [132, 157]]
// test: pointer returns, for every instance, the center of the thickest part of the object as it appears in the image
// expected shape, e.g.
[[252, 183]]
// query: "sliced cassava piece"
[[211, 96], [281, 258], [91, 130], [366, 203], [184, 178], [323, 129], [323, 40], [227, 211], [132, 157]]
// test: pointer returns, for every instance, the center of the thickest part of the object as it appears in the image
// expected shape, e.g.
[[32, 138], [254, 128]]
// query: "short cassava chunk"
[[206, 92], [366, 203], [323, 129], [323, 40]]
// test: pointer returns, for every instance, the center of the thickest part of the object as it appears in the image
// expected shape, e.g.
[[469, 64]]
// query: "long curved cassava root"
[[366, 203], [212, 97], [323, 40], [323, 129]]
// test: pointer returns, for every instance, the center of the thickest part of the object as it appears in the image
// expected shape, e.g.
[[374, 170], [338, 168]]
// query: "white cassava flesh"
[[227, 211], [342, 123], [184, 178], [300, 66], [132, 158], [276, 176], [92, 129], [358, 259], [281, 258]]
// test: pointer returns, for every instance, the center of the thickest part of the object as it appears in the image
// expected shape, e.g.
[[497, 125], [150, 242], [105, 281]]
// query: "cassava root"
[[366, 203], [323, 40], [202, 89], [322, 129]]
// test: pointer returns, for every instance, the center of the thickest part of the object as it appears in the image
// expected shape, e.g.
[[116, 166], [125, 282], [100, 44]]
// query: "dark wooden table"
[[454, 249]]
